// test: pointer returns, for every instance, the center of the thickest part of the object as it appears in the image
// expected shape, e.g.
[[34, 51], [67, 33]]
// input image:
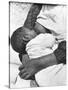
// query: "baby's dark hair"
[[17, 42]]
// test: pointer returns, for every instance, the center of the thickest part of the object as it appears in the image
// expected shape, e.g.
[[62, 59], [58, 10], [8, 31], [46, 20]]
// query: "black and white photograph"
[[37, 41]]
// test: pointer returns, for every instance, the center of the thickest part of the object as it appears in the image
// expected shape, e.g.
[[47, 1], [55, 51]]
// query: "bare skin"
[[31, 67]]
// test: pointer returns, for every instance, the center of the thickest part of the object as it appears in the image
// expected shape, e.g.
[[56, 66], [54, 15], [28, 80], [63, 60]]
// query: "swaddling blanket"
[[41, 45]]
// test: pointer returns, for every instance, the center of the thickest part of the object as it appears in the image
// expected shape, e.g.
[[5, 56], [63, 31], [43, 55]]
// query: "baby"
[[28, 42], [36, 45]]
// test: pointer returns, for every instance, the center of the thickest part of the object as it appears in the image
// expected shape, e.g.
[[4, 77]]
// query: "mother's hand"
[[33, 66], [28, 70]]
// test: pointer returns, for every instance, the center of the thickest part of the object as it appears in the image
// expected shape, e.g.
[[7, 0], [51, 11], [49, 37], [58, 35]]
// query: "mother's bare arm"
[[32, 16], [30, 68]]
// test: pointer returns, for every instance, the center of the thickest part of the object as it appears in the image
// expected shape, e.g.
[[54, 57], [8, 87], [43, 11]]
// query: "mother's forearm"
[[47, 60], [32, 16]]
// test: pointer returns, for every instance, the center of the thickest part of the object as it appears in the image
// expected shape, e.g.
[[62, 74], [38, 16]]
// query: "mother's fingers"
[[27, 77], [22, 72], [24, 75]]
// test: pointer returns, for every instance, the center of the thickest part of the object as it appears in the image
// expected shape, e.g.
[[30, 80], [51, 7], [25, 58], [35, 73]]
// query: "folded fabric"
[[53, 17], [42, 44]]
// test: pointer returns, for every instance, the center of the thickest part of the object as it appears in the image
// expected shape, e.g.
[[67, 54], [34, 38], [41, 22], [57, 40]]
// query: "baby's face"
[[29, 34]]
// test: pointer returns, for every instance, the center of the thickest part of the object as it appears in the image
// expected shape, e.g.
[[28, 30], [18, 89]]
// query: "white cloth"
[[52, 76], [42, 44], [53, 17]]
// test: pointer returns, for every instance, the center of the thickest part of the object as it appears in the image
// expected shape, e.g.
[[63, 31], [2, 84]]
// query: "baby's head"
[[20, 38]]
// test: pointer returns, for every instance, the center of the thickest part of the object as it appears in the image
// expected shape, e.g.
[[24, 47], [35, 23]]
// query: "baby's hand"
[[29, 69]]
